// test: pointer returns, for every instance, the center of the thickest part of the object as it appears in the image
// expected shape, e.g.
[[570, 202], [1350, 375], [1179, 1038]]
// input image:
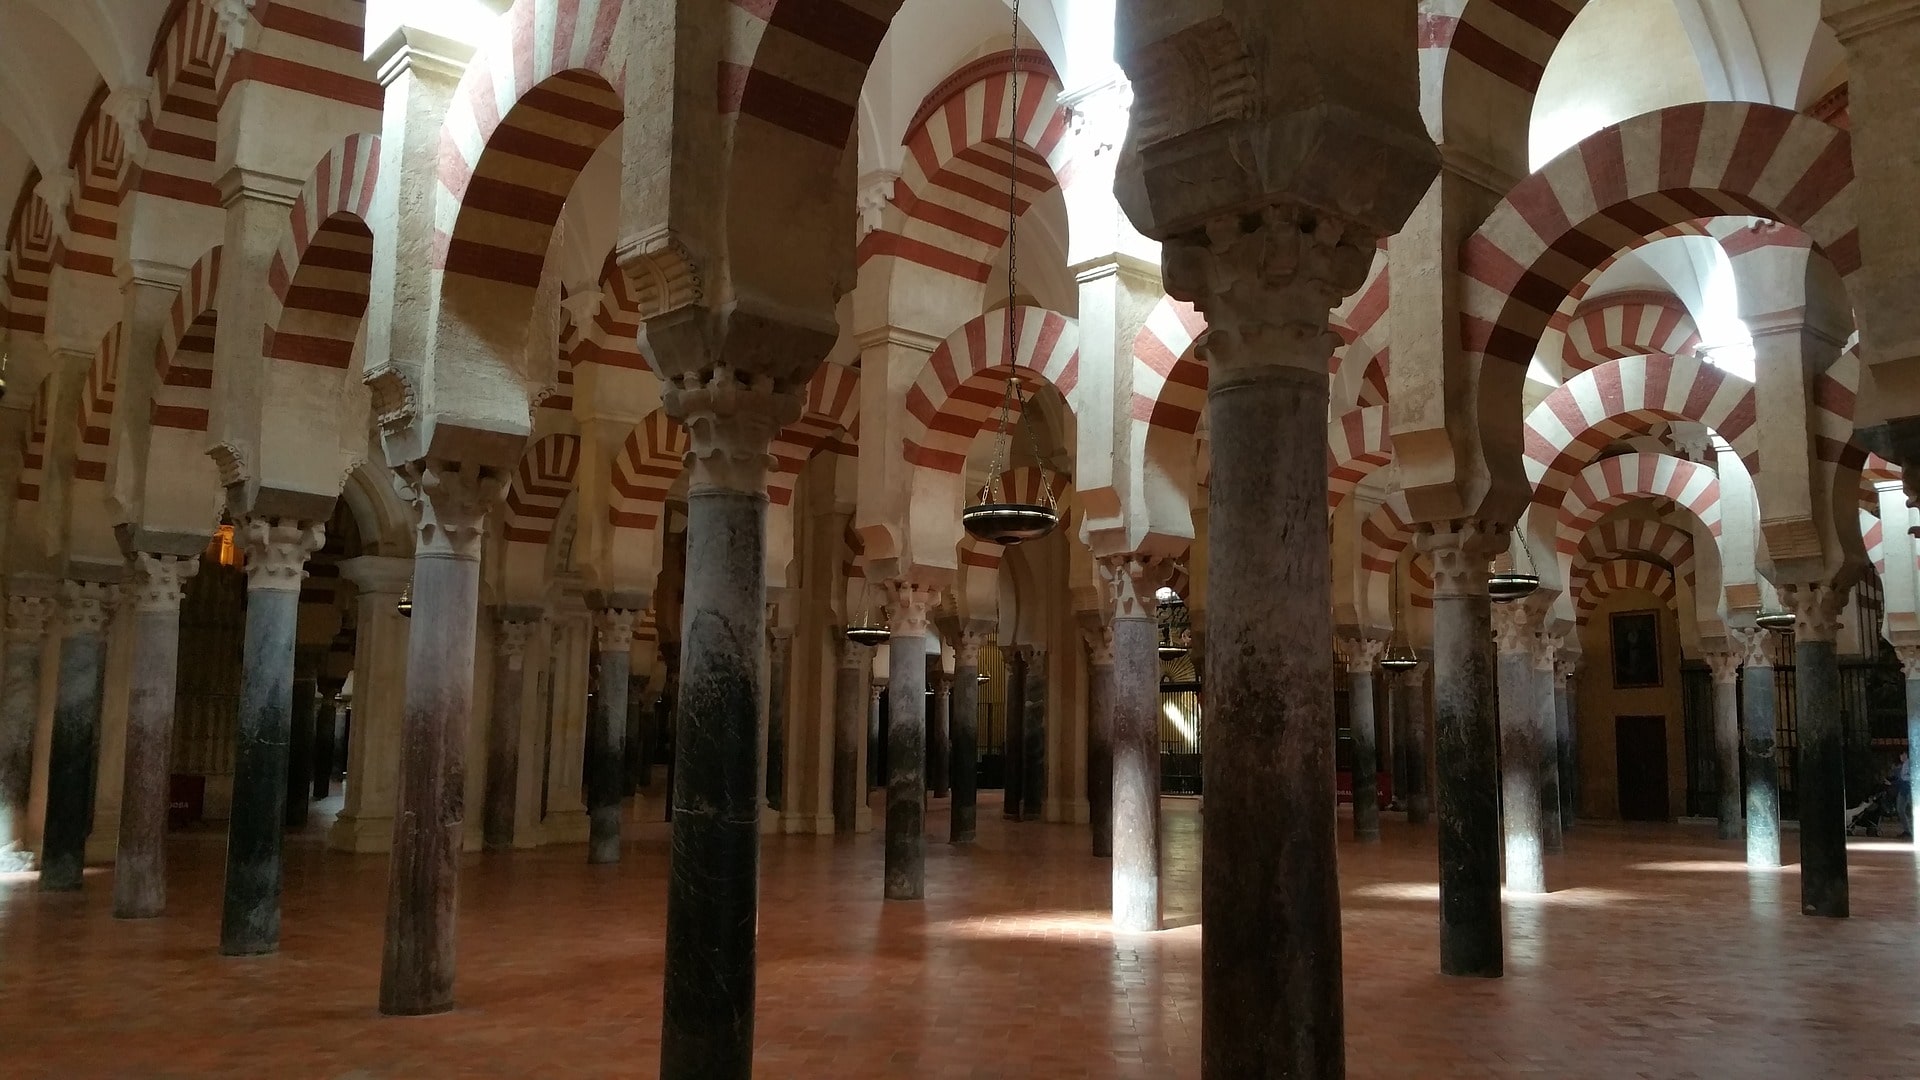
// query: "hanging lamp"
[[865, 633], [1514, 583], [1780, 622], [405, 606], [1399, 655], [995, 519]]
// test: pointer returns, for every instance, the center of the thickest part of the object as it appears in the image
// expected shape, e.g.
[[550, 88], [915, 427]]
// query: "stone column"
[[874, 689], [1521, 751], [140, 864], [1759, 696], [779, 650], [849, 710], [1033, 739], [714, 873], [1910, 667], [1822, 777], [450, 502], [306, 706], [1100, 691], [906, 863], [513, 628], [1545, 713], [1362, 654], [27, 618], [1130, 583], [1013, 771], [607, 731], [381, 643], [72, 753], [1467, 746], [276, 552], [326, 738], [965, 726], [942, 686], [1725, 663], [1569, 765], [639, 732]]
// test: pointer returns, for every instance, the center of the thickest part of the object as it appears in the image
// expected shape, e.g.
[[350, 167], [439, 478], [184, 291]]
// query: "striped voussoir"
[[1873, 536], [959, 390], [1563, 316], [828, 424], [1419, 582], [1384, 537], [1639, 322], [853, 550], [30, 240], [1879, 470], [1834, 395], [1359, 313], [540, 96], [1357, 444], [1602, 405], [1169, 381], [649, 463], [33, 457], [966, 140], [611, 336], [1647, 539], [313, 47], [1626, 182], [183, 361], [1621, 575], [100, 168], [539, 489], [94, 418], [1623, 478], [1488, 57], [800, 68], [322, 273], [181, 131]]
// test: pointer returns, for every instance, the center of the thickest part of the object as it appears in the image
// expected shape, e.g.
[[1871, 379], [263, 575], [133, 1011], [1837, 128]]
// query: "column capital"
[[85, 607], [1909, 660], [731, 423], [1099, 641], [1725, 664], [613, 629], [1460, 552], [1130, 584], [1753, 643], [966, 650], [1546, 648], [28, 616], [1816, 610], [853, 655], [1361, 652], [277, 549], [450, 501], [909, 604], [511, 637], [159, 581], [1514, 628]]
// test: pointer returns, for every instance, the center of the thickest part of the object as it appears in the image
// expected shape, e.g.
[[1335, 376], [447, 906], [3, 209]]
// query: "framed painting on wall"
[[1636, 649]]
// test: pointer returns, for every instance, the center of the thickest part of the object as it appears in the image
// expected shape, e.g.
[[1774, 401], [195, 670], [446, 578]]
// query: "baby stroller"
[[1865, 819]]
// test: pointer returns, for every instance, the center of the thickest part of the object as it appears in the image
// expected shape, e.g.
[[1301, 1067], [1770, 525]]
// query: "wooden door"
[[1640, 744]]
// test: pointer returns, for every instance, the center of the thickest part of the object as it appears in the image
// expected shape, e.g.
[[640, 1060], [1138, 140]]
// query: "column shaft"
[[1410, 715], [1569, 773], [1135, 774], [1100, 761], [906, 847], [326, 736], [965, 744], [1033, 739], [1013, 757], [937, 747], [1545, 717], [1758, 692], [779, 647], [19, 714], [503, 732], [849, 711], [250, 915], [1726, 752], [140, 864], [1520, 756], [607, 749], [874, 690], [1821, 780], [73, 752], [1366, 763], [306, 693]]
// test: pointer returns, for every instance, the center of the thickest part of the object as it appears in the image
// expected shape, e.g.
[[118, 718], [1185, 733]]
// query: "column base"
[[361, 835], [807, 824]]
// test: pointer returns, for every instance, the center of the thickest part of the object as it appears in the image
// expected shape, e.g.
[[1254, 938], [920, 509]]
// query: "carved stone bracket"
[[1514, 628], [511, 637], [1099, 641], [1361, 652], [159, 581], [1725, 664], [28, 617], [277, 549], [85, 608], [1130, 584], [731, 426], [1755, 646], [613, 629], [450, 501], [908, 606], [1460, 552], [662, 272], [966, 650], [855, 656], [396, 404], [1546, 649], [1816, 610]]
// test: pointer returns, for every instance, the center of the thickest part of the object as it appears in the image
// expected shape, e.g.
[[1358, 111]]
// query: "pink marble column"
[[140, 865]]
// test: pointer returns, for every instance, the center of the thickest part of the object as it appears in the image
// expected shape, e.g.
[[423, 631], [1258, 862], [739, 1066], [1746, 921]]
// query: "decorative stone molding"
[[159, 581], [1514, 628], [613, 629], [1816, 610], [1460, 552], [277, 549], [28, 616], [1099, 641], [1130, 584], [1268, 283], [662, 272], [1546, 649], [231, 464], [1725, 664], [129, 106], [872, 200], [873, 693], [85, 608], [396, 404], [1754, 645], [1361, 652], [966, 650], [234, 15], [450, 501], [909, 604], [511, 637], [56, 190], [731, 426], [1909, 660], [1196, 79]]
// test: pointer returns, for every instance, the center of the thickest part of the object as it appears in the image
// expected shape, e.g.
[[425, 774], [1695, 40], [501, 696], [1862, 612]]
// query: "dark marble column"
[[1099, 640], [1411, 716], [639, 734], [1544, 712], [1130, 583], [450, 501], [908, 605], [512, 629], [276, 557], [941, 684], [874, 690], [1362, 654], [965, 744], [27, 619], [1725, 663], [850, 688], [1033, 739], [1013, 771], [707, 1010], [1822, 778], [1563, 715], [607, 730], [779, 649], [1520, 750], [1467, 747], [300, 724], [326, 738], [140, 864], [74, 750], [1759, 698]]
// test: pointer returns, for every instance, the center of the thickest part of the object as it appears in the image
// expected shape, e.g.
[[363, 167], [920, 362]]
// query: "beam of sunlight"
[[1178, 719], [1712, 866], [1025, 924]]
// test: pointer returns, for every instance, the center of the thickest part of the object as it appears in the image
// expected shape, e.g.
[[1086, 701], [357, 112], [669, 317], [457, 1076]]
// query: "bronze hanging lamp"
[[865, 632], [405, 605], [1515, 582], [996, 519], [1399, 655], [1780, 622]]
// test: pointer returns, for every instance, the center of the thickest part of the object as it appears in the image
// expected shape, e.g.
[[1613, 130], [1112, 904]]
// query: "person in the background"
[[1903, 794]]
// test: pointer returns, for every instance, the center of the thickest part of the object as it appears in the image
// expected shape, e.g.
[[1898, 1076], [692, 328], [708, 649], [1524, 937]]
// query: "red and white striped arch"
[[94, 418], [1600, 406], [644, 471], [1563, 316], [99, 161], [1643, 538], [798, 65], [1874, 536], [30, 240], [1360, 313], [1483, 60], [181, 132], [1621, 479], [961, 145], [1621, 575], [539, 489], [1619, 325], [957, 392], [322, 273], [1357, 444], [183, 397], [612, 336], [33, 456], [828, 424], [1169, 381], [540, 96], [1627, 181], [1834, 397]]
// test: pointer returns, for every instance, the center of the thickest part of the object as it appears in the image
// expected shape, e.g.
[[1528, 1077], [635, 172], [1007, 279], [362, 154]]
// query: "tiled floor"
[[1658, 956]]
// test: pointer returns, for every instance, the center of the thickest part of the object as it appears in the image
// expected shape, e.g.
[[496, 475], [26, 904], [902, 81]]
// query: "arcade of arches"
[[445, 444]]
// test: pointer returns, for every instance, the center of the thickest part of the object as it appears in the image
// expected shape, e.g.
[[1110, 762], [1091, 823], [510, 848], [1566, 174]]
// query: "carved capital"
[[1130, 584], [909, 604], [1755, 646], [159, 581], [510, 640], [233, 16], [1909, 660], [854, 656], [28, 616], [872, 200], [277, 549], [613, 629], [1361, 652], [731, 425], [1514, 628], [1099, 641], [1816, 610], [662, 272], [1267, 284], [396, 404], [129, 105], [85, 608], [450, 501], [966, 651], [1725, 664], [1546, 649], [1461, 552]]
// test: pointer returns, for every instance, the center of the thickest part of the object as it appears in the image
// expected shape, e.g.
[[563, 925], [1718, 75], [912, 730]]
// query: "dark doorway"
[[1641, 756]]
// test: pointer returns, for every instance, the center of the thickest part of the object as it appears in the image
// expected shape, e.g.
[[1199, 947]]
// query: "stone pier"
[[512, 629], [908, 605], [73, 752], [140, 864], [1130, 583], [28, 616], [1013, 772], [605, 771], [963, 818], [1100, 691], [1033, 736]]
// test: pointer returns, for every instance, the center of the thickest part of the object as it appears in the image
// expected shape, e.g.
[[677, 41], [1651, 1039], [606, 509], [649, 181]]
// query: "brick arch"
[[955, 395], [321, 275], [1624, 478], [645, 470], [190, 62], [94, 418], [1169, 381], [952, 189], [829, 424], [1647, 539], [539, 489], [30, 240], [1634, 323], [1619, 575], [1357, 444], [1492, 56], [183, 362]]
